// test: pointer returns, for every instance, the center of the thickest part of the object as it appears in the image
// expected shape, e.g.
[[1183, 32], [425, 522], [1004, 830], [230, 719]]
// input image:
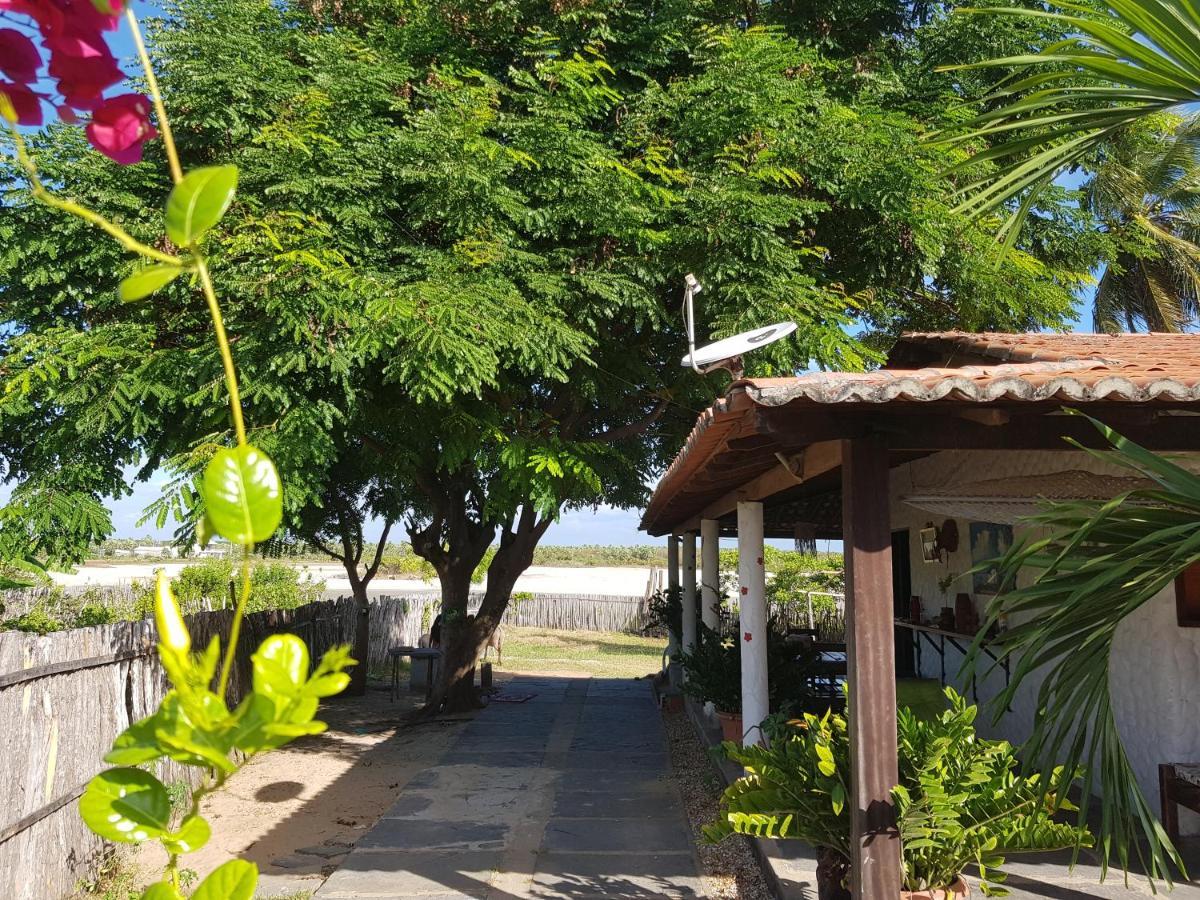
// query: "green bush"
[[36, 621], [206, 585], [961, 800]]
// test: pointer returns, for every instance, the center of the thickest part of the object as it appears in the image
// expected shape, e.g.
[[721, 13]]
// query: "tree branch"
[[374, 566], [633, 429]]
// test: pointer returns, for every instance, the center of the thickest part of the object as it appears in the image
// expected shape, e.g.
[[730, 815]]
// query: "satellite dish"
[[726, 353]]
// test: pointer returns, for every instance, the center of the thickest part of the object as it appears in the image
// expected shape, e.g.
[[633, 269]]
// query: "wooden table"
[[398, 653], [937, 639]]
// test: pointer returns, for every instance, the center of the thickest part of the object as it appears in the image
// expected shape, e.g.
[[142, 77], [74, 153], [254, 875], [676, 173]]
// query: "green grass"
[[604, 654]]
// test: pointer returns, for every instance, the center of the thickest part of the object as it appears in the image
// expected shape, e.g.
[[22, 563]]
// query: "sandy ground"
[[297, 811], [536, 580]]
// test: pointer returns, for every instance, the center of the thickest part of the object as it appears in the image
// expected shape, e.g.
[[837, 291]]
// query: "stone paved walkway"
[[567, 795]]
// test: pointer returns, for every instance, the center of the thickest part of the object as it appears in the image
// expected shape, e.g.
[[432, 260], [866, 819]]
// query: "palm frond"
[[1074, 96], [1096, 564]]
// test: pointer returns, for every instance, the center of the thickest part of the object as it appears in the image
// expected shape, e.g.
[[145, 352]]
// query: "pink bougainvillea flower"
[[120, 126], [83, 65], [19, 58], [47, 15], [24, 102]]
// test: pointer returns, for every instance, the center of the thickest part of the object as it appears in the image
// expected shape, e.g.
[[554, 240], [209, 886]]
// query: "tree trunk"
[[455, 686], [362, 631], [461, 652]]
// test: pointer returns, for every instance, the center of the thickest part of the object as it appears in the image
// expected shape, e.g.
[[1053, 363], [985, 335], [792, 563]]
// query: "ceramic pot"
[[673, 703], [956, 891], [731, 726]]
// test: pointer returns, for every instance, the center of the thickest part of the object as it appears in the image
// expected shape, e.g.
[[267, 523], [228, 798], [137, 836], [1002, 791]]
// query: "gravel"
[[731, 871]]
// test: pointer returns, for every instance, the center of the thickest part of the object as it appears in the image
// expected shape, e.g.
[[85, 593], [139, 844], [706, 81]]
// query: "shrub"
[[960, 801]]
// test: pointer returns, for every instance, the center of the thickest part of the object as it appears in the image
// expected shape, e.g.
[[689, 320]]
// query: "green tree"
[[1145, 192], [454, 263]]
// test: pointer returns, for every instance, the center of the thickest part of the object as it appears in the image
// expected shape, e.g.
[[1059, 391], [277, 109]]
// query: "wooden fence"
[[563, 612], [64, 698]]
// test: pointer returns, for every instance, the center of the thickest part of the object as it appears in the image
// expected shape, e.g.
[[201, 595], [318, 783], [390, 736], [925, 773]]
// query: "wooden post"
[[710, 564], [866, 532], [752, 580], [688, 540]]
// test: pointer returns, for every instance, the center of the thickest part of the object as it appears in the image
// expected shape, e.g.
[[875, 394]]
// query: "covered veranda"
[[812, 456]]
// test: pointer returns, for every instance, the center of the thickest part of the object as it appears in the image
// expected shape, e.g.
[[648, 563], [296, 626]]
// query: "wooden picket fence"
[[64, 697]]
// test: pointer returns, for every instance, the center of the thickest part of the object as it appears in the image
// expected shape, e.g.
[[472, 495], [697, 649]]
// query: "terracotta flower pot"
[[673, 703], [956, 891], [731, 726]]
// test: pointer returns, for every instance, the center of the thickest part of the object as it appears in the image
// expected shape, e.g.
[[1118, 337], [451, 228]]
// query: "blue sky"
[[602, 526]]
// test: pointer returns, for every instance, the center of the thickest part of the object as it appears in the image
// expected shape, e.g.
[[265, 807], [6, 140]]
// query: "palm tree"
[[1096, 563], [1146, 192], [1075, 96]]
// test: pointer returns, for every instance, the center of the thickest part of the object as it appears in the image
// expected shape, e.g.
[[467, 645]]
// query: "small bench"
[[1178, 785], [432, 654]]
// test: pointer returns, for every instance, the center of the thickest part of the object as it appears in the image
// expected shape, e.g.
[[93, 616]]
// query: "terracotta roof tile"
[[956, 367]]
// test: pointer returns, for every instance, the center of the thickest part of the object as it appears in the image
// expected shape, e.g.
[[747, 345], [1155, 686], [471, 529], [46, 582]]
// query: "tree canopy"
[[453, 270]]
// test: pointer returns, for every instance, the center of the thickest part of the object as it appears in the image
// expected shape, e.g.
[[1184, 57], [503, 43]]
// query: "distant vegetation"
[[400, 562], [202, 586]]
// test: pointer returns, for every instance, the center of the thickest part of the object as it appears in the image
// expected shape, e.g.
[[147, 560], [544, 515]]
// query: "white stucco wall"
[[1155, 673]]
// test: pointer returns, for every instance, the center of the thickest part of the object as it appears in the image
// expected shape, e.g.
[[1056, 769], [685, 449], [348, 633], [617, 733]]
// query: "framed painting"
[[988, 542]]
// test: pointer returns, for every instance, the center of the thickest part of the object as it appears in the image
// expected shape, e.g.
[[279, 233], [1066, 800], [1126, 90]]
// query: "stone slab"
[[432, 834], [387, 875], [618, 780], [463, 777], [482, 805], [597, 760], [623, 875], [494, 759], [617, 835], [591, 805]]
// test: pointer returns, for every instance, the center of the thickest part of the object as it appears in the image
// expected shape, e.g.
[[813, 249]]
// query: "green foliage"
[[713, 670], [1143, 191], [960, 801], [193, 726], [199, 202], [212, 584], [664, 610], [1094, 564], [453, 261], [1117, 65], [243, 498]]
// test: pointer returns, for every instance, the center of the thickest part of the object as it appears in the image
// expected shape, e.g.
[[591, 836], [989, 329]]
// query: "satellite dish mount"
[[726, 353]]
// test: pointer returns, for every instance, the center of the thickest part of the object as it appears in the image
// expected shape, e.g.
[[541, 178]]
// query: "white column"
[[672, 583], [752, 635], [710, 562], [688, 539]]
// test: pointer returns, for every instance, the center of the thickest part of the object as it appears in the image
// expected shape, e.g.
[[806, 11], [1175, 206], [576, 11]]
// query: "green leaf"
[[126, 805], [162, 890], [191, 836], [136, 744], [242, 495], [280, 665], [838, 794], [235, 880], [145, 282], [199, 201], [204, 531]]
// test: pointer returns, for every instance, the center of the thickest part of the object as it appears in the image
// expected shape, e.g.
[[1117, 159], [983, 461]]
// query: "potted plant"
[[713, 672], [960, 801]]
